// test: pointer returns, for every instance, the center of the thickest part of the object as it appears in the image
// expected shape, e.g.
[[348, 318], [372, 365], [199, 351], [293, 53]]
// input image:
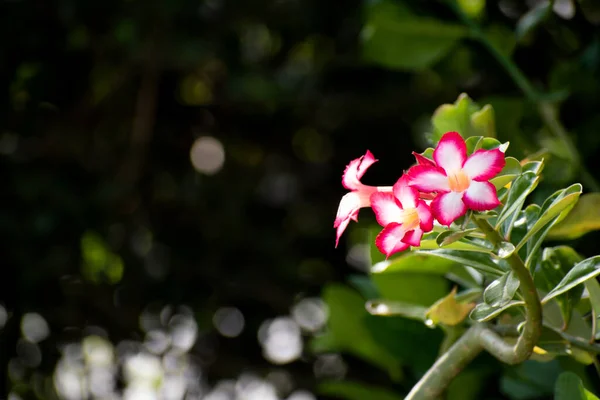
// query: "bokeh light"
[[281, 340], [229, 321], [207, 155]]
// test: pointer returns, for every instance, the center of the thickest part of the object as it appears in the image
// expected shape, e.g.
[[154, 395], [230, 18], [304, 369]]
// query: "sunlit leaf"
[[448, 237], [554, 208], [448, 311], [517, 194], [502, 290], [484, 312], [584, 218], [484, 262], [464, 117], [586, 269], [593, 288]]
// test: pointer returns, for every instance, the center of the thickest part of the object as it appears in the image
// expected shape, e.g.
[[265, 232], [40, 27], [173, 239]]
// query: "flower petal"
[[481, 196], [447, 207], [428, 179], [413, 237], [484, 164], [386, 208], [389, 241], [422, 160], [356, 169], [451, 152], [348, 210], [407, 195], [425, 216]]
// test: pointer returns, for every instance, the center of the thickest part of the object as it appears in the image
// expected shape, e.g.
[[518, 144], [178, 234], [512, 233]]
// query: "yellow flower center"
[[458, 181], [410, 219]]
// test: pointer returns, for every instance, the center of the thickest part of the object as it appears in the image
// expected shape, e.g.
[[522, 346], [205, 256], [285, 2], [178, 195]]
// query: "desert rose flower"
[[461, 183], [359, 195], [403, 215]]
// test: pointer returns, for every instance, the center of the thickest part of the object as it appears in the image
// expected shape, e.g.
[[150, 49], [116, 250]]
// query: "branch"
[[479, 336]]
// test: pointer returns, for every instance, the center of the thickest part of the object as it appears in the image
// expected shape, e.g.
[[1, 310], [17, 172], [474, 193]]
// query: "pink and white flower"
[[460, 182], [359, 195], [403, 215]]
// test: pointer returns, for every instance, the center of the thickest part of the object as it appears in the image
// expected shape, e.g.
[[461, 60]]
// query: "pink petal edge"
[[481, 196], [356, 169], [389, 241], [413, 237], [428, 179], [407, 195], [425, 216], [450, 152], [422, 160], [447, 207], [386, 208], [484, 164]]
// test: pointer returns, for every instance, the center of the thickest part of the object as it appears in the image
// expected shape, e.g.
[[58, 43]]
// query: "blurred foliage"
[[108, 215]]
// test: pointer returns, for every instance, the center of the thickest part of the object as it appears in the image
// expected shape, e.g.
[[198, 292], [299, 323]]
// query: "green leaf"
[[581, 272], [411, 287], [484, 262], [395, 38], [348, 330], [464, 117], [502, 290], [484, 312], [504, 40], [555, 264], [472, 8], [517, 194], [448, 237], [355, 391], [397, 308], [570, 387], [448, 311], [557, 205], [509, 173], [584, 218], [531, 19], [593, 288]]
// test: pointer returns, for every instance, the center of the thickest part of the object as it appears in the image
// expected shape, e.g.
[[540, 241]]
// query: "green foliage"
[[465, 117], [570, 387], [395, 37], [501, 291], [584, 218], [100, 264], [355, 391]]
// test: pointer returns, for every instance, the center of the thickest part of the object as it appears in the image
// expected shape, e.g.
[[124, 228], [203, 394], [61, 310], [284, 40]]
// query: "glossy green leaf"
[[593, 288], [584, 218], [484, 312], [396, 38], [570, 387], [348, 331], [385, 307], [531, 19], [472, 8], [484, 262], [448, 237], [464, 117], [348, 390], [557, 205], [509, 173], [586, 269], [556, 262], [517, 194], [502, 290]]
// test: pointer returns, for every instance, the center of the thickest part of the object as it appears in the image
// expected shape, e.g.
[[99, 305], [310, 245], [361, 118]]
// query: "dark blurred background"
[[171, 169]]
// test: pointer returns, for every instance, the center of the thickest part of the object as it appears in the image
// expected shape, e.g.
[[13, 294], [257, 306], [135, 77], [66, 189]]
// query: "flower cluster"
[[442, 189]]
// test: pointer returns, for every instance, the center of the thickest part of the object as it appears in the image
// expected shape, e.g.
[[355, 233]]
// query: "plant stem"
[[438, 377], [533, 319], [546, 111], [479, 336]]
